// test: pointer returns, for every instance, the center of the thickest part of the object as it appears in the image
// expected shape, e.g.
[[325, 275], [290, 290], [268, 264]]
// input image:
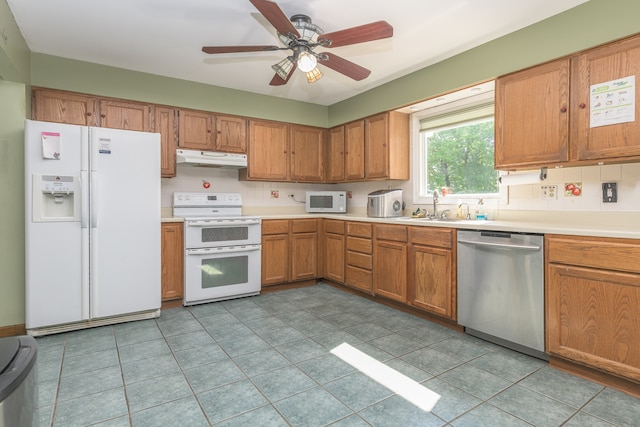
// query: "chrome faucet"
[[468, 216], [436, 195]]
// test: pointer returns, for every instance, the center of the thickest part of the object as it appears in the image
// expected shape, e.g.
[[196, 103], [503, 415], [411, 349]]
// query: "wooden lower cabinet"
[[593, 302], [359, 259], [172, 260], [432, 271], [390, 267], [289, 250], [333, 250]]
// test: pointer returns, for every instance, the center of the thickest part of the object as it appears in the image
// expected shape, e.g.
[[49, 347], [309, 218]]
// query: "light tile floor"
[[265, 361]]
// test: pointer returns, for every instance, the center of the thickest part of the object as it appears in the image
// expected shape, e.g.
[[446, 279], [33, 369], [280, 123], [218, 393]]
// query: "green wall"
[[590, 24], [60, 73]]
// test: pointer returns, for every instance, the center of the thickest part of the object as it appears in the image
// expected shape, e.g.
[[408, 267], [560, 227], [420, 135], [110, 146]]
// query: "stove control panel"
[[187, 199]]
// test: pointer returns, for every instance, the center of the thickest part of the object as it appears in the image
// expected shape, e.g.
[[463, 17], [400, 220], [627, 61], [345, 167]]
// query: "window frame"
[[418, 148]]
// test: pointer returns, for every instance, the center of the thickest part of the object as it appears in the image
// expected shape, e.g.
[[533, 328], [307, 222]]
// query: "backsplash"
[[526, 197]]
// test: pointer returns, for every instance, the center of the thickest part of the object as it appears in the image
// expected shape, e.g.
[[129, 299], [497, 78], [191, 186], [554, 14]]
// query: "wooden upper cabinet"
[[165, 123], [63, 107], [268, 156], [231, 134], [386, 147], [125, 115], [334, 171], [614, 61], [532, 117], [196, 130], [306, 157], [354, 151]]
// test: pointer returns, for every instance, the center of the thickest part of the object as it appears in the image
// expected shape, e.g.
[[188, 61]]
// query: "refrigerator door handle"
[[93, 209], [84, 193]]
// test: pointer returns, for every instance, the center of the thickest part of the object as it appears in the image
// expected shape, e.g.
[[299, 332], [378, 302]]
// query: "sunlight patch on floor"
[[400, 384]]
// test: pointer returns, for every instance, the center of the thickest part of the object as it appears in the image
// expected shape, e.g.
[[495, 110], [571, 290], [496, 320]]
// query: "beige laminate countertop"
[[599, 224]]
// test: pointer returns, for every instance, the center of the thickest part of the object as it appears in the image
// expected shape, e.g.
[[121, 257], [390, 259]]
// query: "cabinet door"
[[430, 280], [532, 117], [231, 134], [390, 270], [196, 130], [275, 259], [590, 140], [125, 115], [268, 156], [354, 151], [172, 261], [593, 317], [334, 261], [304, 256], [376, 147], [63, 107], [335, 154], [164, 123], [307, 154]]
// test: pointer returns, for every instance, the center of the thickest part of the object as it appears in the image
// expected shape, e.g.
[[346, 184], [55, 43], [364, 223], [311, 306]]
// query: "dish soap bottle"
[[480, 213]]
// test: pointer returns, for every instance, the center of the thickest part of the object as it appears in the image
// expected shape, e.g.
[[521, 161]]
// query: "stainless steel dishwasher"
[[501, 288]]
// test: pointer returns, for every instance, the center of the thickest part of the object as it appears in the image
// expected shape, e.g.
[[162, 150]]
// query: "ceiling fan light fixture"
[[283, 68], [307, 62], [314, 75]]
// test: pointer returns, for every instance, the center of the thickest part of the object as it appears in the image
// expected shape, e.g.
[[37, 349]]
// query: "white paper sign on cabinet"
[[613, 102]]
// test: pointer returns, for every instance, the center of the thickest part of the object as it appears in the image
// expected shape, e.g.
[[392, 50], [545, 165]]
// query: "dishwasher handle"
[[501, 245]]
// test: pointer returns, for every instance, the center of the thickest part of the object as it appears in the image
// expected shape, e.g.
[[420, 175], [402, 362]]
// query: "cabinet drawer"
[[275, 226], [333, 226], [359, 229], [304, 225], [357, 244], [359, 278], [396, 233], [430, 236], [360, 260], [602, 253]]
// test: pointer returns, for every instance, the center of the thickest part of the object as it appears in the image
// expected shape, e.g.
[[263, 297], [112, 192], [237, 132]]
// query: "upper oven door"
[[216, 232]]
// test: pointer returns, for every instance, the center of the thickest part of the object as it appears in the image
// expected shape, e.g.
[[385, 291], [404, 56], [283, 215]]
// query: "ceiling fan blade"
[[279, 81], [234, 49], [341, 65], [272, 12], [363, 33]]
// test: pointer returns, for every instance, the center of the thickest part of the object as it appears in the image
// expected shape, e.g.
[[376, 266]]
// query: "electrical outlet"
[[275, 194], [609, 192], [549, 192]]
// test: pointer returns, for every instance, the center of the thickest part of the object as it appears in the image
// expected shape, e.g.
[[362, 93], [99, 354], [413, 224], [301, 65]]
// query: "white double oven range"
[[222, 248]]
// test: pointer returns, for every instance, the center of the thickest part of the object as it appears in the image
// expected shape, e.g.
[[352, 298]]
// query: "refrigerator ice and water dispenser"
[[55, 198]]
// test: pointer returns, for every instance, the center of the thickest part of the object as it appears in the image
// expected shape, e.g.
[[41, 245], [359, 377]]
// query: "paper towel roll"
[[522, 178]]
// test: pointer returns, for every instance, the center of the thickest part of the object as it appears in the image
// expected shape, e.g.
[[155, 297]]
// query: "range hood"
[[211, 159]]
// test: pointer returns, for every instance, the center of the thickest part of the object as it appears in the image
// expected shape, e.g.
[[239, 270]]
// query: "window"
[[455, 150]]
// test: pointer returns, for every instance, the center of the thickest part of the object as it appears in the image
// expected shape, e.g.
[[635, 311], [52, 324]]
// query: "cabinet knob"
[[563, 109], [89, 114], [103, 115], [582, 105]]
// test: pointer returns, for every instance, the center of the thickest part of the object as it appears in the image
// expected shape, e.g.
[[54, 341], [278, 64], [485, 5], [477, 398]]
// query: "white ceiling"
[[165, 37]]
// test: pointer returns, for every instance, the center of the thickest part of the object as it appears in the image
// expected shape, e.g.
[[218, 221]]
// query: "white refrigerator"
[[92, 226]]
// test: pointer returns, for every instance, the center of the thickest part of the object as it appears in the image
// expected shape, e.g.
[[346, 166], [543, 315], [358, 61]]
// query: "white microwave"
[[326, 201]]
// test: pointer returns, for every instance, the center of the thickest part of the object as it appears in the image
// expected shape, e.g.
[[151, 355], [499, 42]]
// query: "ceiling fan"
[[301, 36]]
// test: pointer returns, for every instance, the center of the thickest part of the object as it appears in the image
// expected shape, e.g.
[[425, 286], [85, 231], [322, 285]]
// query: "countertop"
[[600, 224]]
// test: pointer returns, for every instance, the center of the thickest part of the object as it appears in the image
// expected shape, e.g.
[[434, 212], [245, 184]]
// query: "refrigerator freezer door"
[[56, 289], [125, 221]]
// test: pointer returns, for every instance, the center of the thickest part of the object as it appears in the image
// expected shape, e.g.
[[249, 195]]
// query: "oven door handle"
[[223, 250], [222, 223]]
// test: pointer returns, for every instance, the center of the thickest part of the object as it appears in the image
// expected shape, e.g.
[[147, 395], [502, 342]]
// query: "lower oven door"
[[214, 274]]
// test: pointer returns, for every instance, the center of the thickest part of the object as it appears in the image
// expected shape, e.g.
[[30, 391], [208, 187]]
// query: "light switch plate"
[[609, 192]]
